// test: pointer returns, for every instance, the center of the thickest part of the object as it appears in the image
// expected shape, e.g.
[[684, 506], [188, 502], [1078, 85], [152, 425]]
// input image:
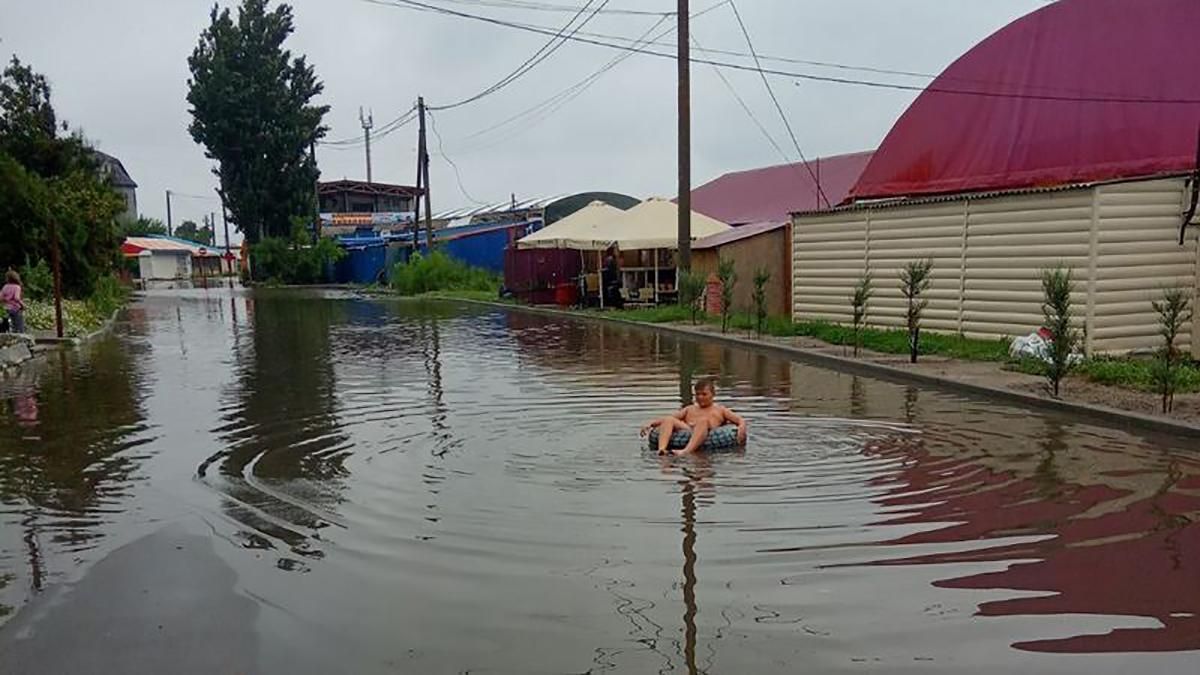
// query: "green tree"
[[1057, 287], [143, 226], [728, 276], [1174, 312], [914, 281], [761, 276], [205, 236], [44, 179], [691, 292], [252, 110], [859, 301], [188, 230]]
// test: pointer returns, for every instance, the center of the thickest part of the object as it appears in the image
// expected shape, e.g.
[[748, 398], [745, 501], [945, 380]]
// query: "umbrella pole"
[[655, 276], [600, 275]]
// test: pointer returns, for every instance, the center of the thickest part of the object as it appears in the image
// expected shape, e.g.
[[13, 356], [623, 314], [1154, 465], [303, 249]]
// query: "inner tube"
[[722, 438]]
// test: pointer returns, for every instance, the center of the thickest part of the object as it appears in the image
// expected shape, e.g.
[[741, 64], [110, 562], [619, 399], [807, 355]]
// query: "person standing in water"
[[12, 298]]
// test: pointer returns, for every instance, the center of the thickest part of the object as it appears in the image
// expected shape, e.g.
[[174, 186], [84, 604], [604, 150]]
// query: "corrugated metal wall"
[[1119, 240]]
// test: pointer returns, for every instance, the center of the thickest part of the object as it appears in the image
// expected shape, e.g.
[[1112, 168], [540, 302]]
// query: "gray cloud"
[[119, 72]]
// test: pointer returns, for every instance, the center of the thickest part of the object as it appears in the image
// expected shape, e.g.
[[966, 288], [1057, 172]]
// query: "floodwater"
[[314, 483]]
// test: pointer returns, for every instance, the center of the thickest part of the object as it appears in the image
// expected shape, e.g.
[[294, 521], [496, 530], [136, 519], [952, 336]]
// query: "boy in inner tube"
[[699, 418]]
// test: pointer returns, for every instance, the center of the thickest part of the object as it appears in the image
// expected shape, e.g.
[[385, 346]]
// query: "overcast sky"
[[119, 72]]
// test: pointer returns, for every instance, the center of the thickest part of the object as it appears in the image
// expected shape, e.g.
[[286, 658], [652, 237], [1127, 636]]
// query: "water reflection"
[[1115, 523], [283, 471], [467, 491], [71, 431]]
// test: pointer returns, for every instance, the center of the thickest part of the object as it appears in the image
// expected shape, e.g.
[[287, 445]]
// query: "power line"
[[548, 7], [442, 152], [778, 107], [421, 6], [403, 120], [550, 105], [823, 64], [746, 108], [553, 103], [554, 44]]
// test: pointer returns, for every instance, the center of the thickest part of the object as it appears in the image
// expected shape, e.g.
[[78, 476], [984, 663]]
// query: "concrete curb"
[[1123, 419]]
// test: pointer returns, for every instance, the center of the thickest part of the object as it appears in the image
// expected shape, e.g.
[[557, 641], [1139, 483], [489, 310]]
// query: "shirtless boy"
[[699, 418]]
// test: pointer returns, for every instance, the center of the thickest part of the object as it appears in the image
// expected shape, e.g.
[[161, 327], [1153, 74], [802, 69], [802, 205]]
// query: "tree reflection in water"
[[70, 431]]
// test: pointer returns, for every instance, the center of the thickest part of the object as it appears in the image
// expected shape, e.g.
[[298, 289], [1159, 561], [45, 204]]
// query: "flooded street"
[[306, 483]]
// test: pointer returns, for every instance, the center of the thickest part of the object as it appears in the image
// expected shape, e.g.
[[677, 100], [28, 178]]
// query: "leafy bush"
[[37, 281], [1057, 287], [691, 292], [278, 260], [107, 296], [79, 317], [728, 277], [761, 277], [858, 303], [915, 280], [1173, 311], [439, 272]]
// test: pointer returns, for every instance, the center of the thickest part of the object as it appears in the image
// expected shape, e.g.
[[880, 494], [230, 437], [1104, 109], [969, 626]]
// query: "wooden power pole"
[[56, 263], [685, 141], [168, 213], [423, 170], [416, 227]]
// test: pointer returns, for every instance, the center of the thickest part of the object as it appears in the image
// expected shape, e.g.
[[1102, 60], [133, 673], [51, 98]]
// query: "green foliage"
[[189, 230], [759, 297], [1129, 373], [728, 276], [915, 280], [142, 226], [108, 296], [1173, 311], [294, 261], [251, 105], [201, 234], [859, 300], [37, 281], [691, 292], [439, 272], [1057, 287], [46, 179]]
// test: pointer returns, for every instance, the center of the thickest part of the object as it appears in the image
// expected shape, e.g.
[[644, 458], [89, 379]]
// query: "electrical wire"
[[546, 51], [774, 99], [457, 173], [548, 7], [421, 6], [549, 106], [403, 120], [746, 108]]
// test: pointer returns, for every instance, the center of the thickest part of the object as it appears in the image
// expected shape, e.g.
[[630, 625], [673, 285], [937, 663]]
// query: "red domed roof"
[[1079, 91]]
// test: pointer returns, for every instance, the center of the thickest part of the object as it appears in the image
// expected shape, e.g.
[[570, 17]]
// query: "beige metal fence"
[[1120, 240]]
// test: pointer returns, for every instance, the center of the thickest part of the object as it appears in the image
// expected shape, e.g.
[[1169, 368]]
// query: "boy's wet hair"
[[707, 383]]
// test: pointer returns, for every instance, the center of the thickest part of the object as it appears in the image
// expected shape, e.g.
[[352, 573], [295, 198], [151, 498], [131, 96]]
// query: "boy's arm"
[[678, 414], [737, 419]]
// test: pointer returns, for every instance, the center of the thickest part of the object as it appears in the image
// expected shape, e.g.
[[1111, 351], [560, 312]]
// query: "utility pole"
[[57, 265], [416, 228], [423, 172], [312, 152], [212, 229], [225, 222], [684, 261], [168, 213], [368, 123]]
